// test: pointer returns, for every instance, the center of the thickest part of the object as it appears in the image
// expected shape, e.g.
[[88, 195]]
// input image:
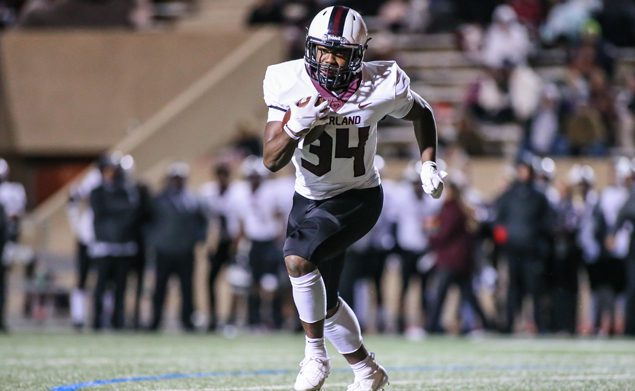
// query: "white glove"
[[305, 117], [432, 179]]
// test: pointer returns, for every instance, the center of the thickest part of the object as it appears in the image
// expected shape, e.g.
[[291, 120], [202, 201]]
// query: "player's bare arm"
[[426, 134], [425, 128], [278, 146]]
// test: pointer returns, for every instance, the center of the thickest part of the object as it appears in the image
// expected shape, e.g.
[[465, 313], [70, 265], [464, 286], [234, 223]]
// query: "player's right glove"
[[306, 115], [432, 179]]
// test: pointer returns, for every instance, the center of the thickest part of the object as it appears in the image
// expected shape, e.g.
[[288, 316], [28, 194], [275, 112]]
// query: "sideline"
[[271, 372]]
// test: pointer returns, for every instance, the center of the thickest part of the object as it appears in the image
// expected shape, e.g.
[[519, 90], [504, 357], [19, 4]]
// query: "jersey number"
[[324, 151]]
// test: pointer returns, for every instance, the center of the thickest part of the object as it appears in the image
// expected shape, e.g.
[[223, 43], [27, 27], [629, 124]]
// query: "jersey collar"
[[337, 101]]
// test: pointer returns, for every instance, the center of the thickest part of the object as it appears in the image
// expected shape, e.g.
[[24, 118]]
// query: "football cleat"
[[376, 381], [313, 373]]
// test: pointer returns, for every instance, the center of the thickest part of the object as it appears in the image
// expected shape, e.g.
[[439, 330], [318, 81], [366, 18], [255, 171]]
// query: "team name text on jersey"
[[348, 120]]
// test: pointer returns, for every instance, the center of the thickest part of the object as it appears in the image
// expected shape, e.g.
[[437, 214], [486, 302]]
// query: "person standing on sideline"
[[452, 238], [13, 204], [116, 208], [80, 217], [138, 263], [13, 198], [331, 138], [217, 196], [3, 240], [258, 208], [412, 243], [178, 224], [523, 212]]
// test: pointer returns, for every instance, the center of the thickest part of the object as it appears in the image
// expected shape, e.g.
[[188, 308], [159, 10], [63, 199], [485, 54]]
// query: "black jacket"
[[117, 212], [528, 218], [178, 222]]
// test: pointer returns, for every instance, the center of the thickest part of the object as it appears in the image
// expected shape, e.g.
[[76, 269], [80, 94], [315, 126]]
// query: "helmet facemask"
[[329, 76]]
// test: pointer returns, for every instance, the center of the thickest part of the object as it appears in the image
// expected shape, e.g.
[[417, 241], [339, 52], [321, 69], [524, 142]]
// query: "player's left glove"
[[432, 179]]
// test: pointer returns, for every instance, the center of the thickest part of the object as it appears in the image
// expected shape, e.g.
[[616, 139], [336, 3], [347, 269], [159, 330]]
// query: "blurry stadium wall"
[[158, 96]]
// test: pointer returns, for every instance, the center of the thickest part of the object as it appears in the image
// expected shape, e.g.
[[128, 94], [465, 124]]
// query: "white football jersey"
[[259, 212], [13, 198], [218, 209], [410, 214], [342, 157]]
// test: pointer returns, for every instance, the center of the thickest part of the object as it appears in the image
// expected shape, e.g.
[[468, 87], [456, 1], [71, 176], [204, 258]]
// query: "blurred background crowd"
[[542, 90]]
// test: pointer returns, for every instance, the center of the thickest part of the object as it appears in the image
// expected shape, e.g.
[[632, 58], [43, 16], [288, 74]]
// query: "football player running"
[[338, 196]]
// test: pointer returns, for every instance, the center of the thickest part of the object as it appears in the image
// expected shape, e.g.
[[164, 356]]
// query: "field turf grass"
[[64, 361]]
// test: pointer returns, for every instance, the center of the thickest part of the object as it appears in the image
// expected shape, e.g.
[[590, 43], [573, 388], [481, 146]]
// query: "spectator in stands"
[[506, 39], [530, 13], [266, 12], [9, 9], [565, 20], [452, 239], [625, 110], [470, 11], [116, 207], [617, 19], [3, 289], [79, 14], [605, 52], [602, 99], [587, 112], [217, 198], [542, 135], [364, 7], [178, 224], [393, 15], [80, 217], [524, 214], [500, 102]]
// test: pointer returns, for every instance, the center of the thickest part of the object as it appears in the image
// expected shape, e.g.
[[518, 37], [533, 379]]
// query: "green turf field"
[[66, 361]]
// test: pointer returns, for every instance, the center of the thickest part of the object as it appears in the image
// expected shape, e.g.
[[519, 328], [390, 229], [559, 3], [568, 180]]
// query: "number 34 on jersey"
[[341, 158]]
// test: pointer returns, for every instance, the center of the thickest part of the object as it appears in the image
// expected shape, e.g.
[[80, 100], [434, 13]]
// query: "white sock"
[[315, 348], [309, 295], [342, 329], [364, 368], [77, 306]]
